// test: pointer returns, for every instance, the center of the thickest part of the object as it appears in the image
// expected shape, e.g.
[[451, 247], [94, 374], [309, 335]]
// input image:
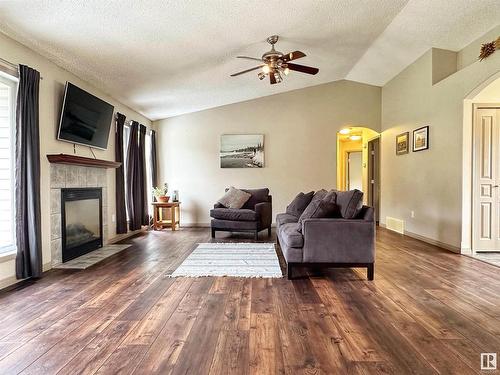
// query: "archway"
[[358, 162], [485, 95]]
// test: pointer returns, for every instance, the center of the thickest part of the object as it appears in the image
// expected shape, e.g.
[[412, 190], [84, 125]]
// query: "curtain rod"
[[128, 123], [12, 66]]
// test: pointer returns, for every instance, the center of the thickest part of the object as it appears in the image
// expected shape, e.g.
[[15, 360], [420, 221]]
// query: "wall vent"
[[395, 225]]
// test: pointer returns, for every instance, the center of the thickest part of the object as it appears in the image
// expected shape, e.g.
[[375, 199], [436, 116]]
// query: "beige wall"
[[51, 94], [299, 130], [429, 182]]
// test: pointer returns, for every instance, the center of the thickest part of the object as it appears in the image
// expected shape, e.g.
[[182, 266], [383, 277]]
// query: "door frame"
[[474, 151], [372, 170]]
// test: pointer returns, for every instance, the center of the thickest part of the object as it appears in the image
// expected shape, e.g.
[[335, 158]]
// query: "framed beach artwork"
[[421, 139], [402, 141], [241, 151]]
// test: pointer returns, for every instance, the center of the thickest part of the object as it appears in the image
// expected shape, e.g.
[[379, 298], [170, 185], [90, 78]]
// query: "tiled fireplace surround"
[[71, 176]]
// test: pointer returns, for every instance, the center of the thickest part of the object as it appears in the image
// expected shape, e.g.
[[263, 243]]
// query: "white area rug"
[[93, 257], [231, 259]]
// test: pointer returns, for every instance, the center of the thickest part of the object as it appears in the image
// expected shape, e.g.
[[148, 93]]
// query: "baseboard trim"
[[7, 282], [121, 237], [454, 249], [195, 225], [11, 281]]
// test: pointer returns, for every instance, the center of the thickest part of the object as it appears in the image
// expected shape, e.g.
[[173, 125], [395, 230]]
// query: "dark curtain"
[[121, 212], [142, 194], [154, 163], [136, 182], [28, 227]]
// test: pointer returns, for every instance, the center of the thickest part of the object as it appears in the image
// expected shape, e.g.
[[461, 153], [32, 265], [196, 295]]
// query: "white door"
[[486, 197], [355, 172]]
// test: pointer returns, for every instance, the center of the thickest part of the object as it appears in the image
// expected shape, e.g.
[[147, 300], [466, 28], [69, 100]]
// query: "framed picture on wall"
[[421, 139], [242, 151], [402, 143]]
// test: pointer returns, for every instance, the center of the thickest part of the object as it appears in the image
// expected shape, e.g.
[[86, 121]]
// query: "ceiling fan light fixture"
[[276, 65]]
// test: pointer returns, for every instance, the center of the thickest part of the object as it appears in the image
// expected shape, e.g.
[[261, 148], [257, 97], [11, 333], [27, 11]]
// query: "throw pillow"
[[234, 198], [319, 195], [350, 203], [318, 209], [331, 196], [299, 204]]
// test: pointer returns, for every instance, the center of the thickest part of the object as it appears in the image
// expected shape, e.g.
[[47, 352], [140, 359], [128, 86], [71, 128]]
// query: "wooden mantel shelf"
[[81, 161]]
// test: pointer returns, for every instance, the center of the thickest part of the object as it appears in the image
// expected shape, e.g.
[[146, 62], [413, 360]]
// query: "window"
[[8, 87]]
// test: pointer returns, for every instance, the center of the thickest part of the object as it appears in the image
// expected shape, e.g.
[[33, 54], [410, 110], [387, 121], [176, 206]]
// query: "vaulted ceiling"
[[165, 58]]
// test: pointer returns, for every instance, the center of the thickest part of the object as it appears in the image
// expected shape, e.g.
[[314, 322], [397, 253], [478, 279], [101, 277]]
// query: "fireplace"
[[81, 221]]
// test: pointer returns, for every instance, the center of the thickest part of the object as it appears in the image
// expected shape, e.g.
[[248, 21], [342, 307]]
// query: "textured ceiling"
[[164, 58], [422, 24]]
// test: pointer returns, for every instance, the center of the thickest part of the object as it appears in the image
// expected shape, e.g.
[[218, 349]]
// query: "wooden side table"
[[159, 222]]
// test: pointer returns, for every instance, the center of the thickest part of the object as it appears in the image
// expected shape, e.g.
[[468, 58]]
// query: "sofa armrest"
[[265, 211], [338, 240]]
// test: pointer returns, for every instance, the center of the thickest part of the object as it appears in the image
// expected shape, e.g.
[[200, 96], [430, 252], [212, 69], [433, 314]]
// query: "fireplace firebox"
[[81, 221]]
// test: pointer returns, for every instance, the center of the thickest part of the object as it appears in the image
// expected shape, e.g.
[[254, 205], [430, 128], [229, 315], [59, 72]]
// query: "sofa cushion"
[[319, 195], [299, 203], [234, 198], [286, 218], [234, 214], [232, 225], [331, 196], [318, 209], [256, 196], [291, 236], [350, 203]]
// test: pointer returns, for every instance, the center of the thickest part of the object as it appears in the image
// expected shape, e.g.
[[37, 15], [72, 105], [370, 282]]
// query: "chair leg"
[[213, 232], [289, 271], [269, 232], [370, 271]]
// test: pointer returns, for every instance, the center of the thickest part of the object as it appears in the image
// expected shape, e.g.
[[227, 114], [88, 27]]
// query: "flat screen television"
[[85, 119]]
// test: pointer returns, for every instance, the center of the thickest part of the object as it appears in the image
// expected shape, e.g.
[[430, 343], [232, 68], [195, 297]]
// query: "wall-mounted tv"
[[85, 119]]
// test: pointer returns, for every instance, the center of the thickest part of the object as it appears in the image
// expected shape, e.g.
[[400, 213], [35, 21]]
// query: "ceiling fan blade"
[[302, 68], [293, 56], [272, 78], [248, 58], [246, 71]]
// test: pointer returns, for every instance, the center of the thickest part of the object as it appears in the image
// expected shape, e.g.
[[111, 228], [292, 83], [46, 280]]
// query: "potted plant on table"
[[160, 193]]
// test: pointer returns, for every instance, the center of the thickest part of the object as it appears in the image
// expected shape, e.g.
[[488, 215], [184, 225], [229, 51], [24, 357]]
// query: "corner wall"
[[299, 130], [51, 95], [429, 182]]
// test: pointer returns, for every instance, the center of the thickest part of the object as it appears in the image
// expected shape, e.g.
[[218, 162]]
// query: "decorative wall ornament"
[[487, 49], [402, 146], [242, 151], [421, 139]]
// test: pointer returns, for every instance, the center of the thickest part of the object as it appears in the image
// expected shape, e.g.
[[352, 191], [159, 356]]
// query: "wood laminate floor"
[[428, 311]]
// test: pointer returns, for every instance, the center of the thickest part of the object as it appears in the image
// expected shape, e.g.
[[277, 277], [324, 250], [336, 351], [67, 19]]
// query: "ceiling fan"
[[275, 64]]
